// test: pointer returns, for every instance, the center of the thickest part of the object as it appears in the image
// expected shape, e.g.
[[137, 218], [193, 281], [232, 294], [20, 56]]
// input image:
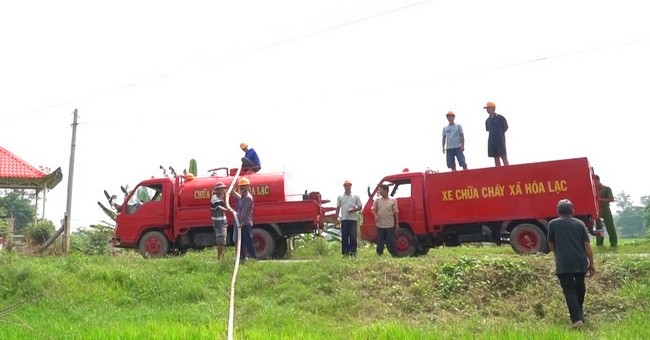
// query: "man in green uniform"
[[605, 196]]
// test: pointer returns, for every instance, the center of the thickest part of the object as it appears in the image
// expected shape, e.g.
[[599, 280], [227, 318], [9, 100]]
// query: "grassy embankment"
[[462, 293]]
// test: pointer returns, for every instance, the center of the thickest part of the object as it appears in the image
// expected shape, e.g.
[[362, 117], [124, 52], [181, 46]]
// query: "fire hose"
[[231, 316]]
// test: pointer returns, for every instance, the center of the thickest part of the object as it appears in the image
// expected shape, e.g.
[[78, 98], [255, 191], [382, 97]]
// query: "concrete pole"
[[68, 206]]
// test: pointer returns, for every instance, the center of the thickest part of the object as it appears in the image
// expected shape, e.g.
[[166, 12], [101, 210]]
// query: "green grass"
[[467, 292]]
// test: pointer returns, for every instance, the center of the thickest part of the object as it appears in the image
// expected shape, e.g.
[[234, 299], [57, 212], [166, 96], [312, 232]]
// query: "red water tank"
[[267, 187]]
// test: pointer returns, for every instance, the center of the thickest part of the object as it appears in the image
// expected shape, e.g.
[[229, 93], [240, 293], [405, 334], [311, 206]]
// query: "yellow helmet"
[[244, 181]]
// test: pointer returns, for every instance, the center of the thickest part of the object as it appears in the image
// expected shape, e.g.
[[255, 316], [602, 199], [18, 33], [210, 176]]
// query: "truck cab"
[[148, 207], [407, 189]]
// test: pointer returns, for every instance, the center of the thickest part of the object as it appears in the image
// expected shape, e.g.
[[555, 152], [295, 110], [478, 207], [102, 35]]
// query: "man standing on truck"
[[567, 238], [250, 161], [245, 216], [347, 206], [496, 126], [219, 223], [453, 136], [387, 220], [605, 196]]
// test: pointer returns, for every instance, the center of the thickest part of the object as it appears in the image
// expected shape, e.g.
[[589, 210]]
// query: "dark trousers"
[[386, 236], [608, 219], [247, 164], [573, 287], [349, 237], [247, 242]]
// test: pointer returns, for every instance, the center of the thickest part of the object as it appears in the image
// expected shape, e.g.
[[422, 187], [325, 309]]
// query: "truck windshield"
[[143, 194]]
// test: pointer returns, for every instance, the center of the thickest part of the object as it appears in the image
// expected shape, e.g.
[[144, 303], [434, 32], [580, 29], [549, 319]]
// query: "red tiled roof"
[[13, 167]]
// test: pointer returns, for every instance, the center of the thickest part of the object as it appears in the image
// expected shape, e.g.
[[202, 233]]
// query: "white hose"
[[231, 316]]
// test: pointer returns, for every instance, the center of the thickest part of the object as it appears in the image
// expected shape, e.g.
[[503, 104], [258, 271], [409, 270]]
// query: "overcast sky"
[[324, 90]]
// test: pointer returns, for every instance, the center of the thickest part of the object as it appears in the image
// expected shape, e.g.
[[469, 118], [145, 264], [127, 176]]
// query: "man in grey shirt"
[[453, 137]]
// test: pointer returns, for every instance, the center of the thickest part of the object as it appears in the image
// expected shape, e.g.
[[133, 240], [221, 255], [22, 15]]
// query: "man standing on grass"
[[245, 216], [347, 206], [605, 197], [567, 238], [219, 222], [386, 218]]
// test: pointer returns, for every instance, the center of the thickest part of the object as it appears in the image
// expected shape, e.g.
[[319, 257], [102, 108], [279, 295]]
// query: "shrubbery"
[[40, 232], [93, 240]]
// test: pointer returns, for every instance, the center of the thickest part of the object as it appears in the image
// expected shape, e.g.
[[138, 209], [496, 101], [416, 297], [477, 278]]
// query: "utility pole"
[[68, 206]]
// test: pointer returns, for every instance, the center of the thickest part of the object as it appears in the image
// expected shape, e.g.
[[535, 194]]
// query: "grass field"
[[468, 292]]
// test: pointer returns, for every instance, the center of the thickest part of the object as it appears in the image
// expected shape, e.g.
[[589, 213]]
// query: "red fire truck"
[[162, 215], [500, 204]]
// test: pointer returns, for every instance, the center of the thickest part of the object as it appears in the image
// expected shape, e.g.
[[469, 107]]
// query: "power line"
[[254, 50], [556, 56]]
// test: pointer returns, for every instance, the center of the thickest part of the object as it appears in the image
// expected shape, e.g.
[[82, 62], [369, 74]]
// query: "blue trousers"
[[349, 237], [248, 247]]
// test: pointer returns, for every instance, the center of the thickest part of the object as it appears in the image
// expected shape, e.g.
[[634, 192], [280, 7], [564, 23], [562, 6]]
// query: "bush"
[[40, 232], [93, 240]]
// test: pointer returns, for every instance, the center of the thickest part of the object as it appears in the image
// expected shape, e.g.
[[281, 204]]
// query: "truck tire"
[[264, 243], [422, 251], [405, 242], [281, 248], [154, 244], [528, 238]]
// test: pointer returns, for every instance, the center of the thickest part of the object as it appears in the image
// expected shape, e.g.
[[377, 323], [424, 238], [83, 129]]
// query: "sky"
[[324, 90]]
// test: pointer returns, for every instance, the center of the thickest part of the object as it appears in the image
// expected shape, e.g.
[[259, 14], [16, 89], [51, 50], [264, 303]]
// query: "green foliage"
[[4, 226], [193, 167], [129, 297], [21, 209], [645, 201], [455, 293], [630, 220], [93, 240], [39, 232]]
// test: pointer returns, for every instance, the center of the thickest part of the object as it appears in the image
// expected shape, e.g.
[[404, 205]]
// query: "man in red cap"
[[496, 126]]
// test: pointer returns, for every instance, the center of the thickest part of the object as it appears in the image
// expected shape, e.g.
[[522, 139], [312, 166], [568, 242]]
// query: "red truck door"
[[147, 206]]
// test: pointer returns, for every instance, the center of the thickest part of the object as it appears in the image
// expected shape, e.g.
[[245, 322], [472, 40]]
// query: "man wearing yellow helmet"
[[347, 206], [245, 216], [250, 161]]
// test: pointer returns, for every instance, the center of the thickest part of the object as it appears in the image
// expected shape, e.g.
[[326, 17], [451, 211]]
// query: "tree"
[[630, 220], [624, 201], [645, 201], [20, 208]]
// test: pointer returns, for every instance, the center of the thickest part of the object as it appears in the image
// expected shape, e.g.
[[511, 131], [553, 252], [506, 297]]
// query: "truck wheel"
[[264, 243], [280, 248], [423, 251], [405, 242], [528, 238], [154, 244]]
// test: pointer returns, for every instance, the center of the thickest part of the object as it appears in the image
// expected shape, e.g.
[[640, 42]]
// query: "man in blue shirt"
[[250, 161]]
